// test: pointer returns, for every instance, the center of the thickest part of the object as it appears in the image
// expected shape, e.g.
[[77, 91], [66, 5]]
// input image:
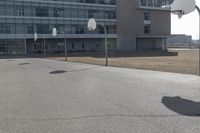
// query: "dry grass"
[[185, 62]]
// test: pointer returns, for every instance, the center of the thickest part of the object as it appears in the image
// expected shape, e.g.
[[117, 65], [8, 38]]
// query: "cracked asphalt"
[[48, 96]]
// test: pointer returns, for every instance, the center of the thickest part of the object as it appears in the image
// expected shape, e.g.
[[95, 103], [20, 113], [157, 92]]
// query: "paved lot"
[[47, 96]]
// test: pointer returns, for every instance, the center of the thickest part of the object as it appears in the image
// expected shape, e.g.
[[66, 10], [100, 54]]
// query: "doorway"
[[37, 48]]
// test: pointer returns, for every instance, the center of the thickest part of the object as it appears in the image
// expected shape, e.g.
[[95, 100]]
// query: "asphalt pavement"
[[48, 96]]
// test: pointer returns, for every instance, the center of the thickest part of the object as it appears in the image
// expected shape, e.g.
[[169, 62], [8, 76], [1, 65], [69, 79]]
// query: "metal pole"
[[106, 44], [6, 41], [199, 38], [25, 47], [44, 48], [106, 49], [65, 49], [165, 43]]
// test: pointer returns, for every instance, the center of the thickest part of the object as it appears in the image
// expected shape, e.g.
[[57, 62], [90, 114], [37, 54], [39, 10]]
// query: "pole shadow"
[[182, 106], [78, 70], [24, 64], [57, 72]]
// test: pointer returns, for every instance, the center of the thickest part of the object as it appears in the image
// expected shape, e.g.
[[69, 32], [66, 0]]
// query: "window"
[[78, 29], [42, 28], [147, 15], [60, 28], [156, 3], [92, 13], [110, 15], [147, 29], [42, 12], [7, 28], [83, 45], [47, 46], [29, 29], [35, 46], [59, 47], [2, 31], [73, 46], [58, 12], [20, 12]]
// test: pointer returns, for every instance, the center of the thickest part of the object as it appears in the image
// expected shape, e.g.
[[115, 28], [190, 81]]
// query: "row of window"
[[156, 3], [107, 2], [147, 22], [6, 28], [111, 2], [62, 12], [12, 47], [56, 46], [60, 46]]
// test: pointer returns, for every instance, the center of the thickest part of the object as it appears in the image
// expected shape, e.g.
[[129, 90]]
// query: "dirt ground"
[[185, 61]]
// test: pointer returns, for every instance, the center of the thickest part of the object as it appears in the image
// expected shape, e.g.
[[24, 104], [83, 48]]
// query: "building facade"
[[21, 19], [179, 41], [143, 24], [131, 25]]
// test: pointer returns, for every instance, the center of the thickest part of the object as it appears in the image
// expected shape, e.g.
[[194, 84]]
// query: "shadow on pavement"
[[24, 63], [182, 106], [78, 70], [57, 72]]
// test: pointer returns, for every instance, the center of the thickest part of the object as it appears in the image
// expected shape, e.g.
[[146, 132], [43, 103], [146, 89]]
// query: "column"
[[65, 49], [25, 47], [44, 47]]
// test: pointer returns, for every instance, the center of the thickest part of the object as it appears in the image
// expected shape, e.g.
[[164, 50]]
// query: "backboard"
[[182, 7], [92, 24], [54, 32]]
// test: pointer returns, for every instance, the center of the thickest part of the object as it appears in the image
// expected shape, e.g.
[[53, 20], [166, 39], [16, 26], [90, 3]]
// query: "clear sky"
[[188, 24]]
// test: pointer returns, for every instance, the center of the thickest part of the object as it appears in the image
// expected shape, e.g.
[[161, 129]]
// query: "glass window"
[[42, 12], [58, 12], [20, 12], [7, 28], [2, 31], [147, 15], [42, 28], [29, 29], [2, 9], [83, 45], [73, 45], [147, 29], [19, 28], [156, 3], [10, 9]]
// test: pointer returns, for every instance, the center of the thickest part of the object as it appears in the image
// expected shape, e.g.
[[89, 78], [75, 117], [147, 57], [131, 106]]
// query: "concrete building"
[[131, 25], [179, 41], [143, 24]]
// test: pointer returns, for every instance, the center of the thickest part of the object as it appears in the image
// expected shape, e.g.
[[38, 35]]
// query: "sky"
[[188, 24]]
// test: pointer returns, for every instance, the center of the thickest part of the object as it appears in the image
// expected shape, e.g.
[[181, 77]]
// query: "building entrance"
[[35, 47], [38, 48]]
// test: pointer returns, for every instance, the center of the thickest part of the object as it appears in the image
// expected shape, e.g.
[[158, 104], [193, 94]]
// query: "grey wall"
[[161, 22], [149, 44], [130, 23]]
